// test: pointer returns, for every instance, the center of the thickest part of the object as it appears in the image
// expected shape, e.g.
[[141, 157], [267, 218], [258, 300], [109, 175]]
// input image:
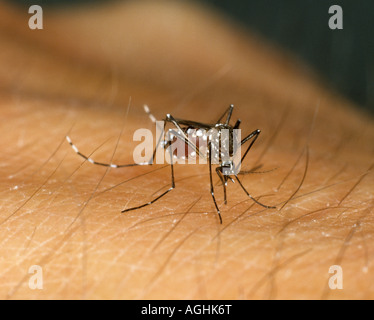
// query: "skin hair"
[[314, 160]]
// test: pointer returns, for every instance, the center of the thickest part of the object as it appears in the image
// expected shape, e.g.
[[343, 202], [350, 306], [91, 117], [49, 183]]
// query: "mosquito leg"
[[89, 159], [161, 195], [168, 146], [229, 112], [171, 119], [100, 163], [237, 124], [253, 170], [250, 136], [150, 162], [219, 173], [154, 120], [211, 182], [150, 115], [265, 206], [148, 203]]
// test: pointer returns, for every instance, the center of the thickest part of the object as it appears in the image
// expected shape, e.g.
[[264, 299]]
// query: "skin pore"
[[88, 74]]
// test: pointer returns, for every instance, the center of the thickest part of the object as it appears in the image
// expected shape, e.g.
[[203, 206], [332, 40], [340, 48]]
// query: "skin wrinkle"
[[302, 179], [281, 234], [235, 219], [175, 225], [356, 184], [288, 223], [346, 243], [273, 136], [84, 248], [196, 253], [261, 211], [291, 170], [274, 270], [138, 266], [234, 245], [168, 259], [48, 159], [362, 233], [201, 291], [278, 249], [120, 254], [110, 255], [16, 287], [45, 259], [128, 180], [33, 194], [30, 240], [275, 267], [239, 277], [142, 222], [106, 172], [333, 177], [157, 275]]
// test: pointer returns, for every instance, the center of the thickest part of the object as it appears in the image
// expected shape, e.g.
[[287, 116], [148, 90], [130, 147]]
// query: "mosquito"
[[181, 133]]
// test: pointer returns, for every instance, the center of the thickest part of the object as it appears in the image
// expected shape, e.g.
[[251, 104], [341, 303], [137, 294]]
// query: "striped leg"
[[89, 159]]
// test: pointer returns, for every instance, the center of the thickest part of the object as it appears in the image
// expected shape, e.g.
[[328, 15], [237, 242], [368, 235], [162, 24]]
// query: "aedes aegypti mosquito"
[[183, 128]]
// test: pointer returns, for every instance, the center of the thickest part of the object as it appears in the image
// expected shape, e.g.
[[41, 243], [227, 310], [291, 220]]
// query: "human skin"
[[88, 74]]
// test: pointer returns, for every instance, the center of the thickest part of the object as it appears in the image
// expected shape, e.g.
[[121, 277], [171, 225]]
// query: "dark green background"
[[345, 58]]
